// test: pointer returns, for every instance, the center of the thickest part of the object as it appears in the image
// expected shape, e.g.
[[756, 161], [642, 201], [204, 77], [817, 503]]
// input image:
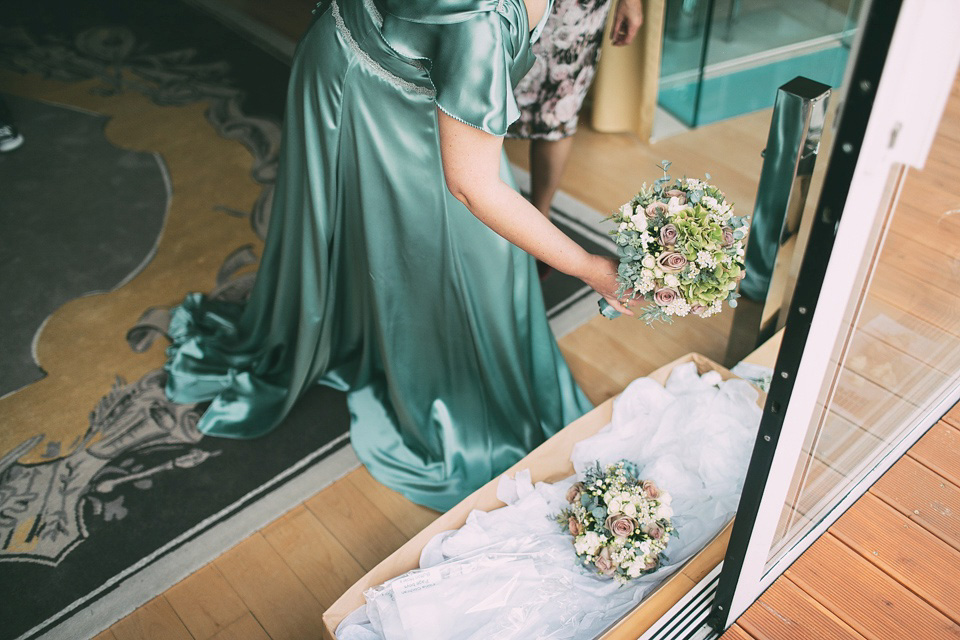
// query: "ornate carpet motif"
[[85, 505]]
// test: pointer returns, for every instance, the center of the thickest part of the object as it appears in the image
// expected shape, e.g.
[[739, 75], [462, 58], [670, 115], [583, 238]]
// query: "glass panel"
[[898, 357], [729, 61], [684, 38]]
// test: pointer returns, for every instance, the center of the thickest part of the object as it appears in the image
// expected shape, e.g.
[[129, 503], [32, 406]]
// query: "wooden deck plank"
[[790, 521], [156, 620], [927, 204], [924, 497], [807, 491], [786, 612], [938, 449], [904, 550], [244, 628], [407, 516], [867, 599], [736, 632], [900, 317], [314, 554], [205, 602], [353, 520], [282, 605], [953, 416]]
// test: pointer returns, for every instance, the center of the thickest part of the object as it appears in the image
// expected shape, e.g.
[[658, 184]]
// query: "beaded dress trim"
[[369, 62]]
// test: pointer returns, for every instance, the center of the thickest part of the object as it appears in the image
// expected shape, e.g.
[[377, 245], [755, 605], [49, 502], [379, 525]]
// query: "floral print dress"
[[551, 94]]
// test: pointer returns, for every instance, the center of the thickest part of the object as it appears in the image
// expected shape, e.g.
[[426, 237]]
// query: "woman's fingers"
[[628, 18], [619, 306], [623, 32]]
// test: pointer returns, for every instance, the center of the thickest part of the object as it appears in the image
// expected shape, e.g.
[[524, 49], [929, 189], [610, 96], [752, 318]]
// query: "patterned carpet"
[[146, 174]]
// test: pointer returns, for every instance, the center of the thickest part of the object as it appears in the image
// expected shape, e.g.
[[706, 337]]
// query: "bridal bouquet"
[[681, 249], [620, 523]]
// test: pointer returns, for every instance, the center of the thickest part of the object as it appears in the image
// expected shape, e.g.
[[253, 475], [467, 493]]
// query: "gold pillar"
[[625, 89]]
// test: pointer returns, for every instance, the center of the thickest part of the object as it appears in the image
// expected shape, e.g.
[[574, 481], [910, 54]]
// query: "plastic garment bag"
[[512, 574]]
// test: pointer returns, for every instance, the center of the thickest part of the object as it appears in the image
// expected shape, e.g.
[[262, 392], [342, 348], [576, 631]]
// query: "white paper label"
[[416, 582]]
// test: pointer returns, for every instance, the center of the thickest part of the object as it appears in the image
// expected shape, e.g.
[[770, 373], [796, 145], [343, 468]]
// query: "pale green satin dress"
[[374, 279]]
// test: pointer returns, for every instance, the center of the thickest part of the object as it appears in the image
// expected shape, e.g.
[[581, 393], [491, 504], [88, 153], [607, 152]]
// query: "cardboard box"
[[550, 462]]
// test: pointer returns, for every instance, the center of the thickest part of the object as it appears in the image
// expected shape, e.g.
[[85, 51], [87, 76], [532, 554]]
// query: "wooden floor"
[[888, 568], [277, 583]]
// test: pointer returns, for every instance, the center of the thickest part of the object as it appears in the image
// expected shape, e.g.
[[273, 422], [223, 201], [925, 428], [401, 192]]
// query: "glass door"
[[723, 58], [870, 356]]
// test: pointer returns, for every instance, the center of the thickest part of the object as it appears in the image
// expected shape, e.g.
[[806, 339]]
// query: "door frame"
[[905, 49]]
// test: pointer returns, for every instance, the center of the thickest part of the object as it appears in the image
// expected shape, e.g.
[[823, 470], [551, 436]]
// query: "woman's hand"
[[601, 276], [627, 18]]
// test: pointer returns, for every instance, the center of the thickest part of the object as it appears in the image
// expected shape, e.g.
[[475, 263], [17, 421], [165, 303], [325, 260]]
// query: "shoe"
[[10, 138]]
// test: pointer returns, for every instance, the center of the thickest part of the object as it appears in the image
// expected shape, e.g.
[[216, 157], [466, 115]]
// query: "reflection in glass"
[[899, 356], [723, 58]]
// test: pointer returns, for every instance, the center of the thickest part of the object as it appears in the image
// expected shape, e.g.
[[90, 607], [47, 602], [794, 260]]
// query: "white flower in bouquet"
[[588, 543], [617, 522], [681, 248]]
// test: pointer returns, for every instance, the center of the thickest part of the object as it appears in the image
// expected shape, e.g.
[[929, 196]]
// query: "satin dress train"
[[374, 279]]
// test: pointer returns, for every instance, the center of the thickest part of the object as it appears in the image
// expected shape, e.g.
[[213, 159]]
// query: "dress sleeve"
[[471, 69], [471, 63]]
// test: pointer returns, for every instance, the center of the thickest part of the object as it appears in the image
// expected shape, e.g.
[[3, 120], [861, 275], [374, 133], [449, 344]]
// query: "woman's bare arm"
[[471, 165]]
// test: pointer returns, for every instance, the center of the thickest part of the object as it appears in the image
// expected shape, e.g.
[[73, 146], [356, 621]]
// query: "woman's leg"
[[548, 159]]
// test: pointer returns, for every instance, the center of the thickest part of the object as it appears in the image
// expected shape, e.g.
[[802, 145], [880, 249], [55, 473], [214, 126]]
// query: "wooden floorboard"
[[904, 550], [272, 592], [922, 496], [786, 612], [736, 632], [155, 620], [356, 523], [244, 628], [317, 558], [206, 603], [409, 518], [938, 449], [866, 598]]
